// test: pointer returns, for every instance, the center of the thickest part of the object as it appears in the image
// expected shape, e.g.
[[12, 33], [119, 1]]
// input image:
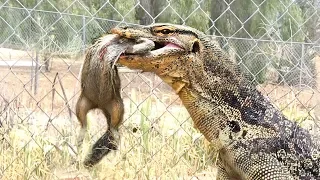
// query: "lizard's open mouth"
[[157, 48], [151, 47], [166, 47]]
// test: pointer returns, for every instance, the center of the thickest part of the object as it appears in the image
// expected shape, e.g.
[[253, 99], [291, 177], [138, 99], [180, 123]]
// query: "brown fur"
[[100, 88]]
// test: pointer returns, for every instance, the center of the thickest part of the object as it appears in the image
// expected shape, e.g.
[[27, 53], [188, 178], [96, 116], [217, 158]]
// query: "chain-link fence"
[[42, 42]]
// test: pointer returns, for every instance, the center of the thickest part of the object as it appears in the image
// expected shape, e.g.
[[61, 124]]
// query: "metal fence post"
[[36, 74], [83, 33], [31, 72], [301, 65]]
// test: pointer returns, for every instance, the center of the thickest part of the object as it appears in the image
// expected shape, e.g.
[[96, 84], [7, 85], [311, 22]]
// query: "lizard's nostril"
[[195, 47]]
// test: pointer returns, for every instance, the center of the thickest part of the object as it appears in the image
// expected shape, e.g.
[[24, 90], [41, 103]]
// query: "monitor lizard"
[[252, 138]]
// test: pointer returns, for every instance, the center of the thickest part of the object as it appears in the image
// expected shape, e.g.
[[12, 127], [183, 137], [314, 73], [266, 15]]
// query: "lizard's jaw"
[[155, 59]]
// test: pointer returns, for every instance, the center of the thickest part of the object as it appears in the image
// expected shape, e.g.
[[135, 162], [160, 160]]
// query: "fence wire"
[[42, 42]]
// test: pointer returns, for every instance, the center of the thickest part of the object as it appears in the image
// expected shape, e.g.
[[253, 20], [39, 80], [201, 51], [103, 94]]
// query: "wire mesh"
[[42, 42]]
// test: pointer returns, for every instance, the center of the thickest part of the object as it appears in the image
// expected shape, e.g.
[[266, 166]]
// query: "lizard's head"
[[169, 39], [174, 51]]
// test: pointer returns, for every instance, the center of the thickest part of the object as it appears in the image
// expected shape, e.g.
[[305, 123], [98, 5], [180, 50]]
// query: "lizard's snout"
[[120, 32], [130, 32]]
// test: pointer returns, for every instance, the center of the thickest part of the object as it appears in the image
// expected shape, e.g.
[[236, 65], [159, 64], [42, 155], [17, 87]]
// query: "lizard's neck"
[[220, 99]]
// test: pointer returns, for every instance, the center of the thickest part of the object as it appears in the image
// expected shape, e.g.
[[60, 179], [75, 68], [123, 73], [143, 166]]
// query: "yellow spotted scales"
[[253, 139]]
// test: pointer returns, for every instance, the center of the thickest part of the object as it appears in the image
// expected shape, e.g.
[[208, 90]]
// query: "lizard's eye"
[[165, 31]]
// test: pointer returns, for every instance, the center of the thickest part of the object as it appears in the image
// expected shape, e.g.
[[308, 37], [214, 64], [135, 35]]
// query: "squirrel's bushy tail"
[[101, 148]]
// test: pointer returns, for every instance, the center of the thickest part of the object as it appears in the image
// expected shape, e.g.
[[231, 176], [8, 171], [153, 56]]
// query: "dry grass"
[[153, 144], [157, 137]]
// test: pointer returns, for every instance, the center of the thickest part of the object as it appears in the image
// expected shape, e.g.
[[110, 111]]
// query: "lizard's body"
[[253, 139]]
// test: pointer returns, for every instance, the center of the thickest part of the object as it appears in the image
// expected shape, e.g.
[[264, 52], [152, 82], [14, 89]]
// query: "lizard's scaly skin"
[[254, 139]]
